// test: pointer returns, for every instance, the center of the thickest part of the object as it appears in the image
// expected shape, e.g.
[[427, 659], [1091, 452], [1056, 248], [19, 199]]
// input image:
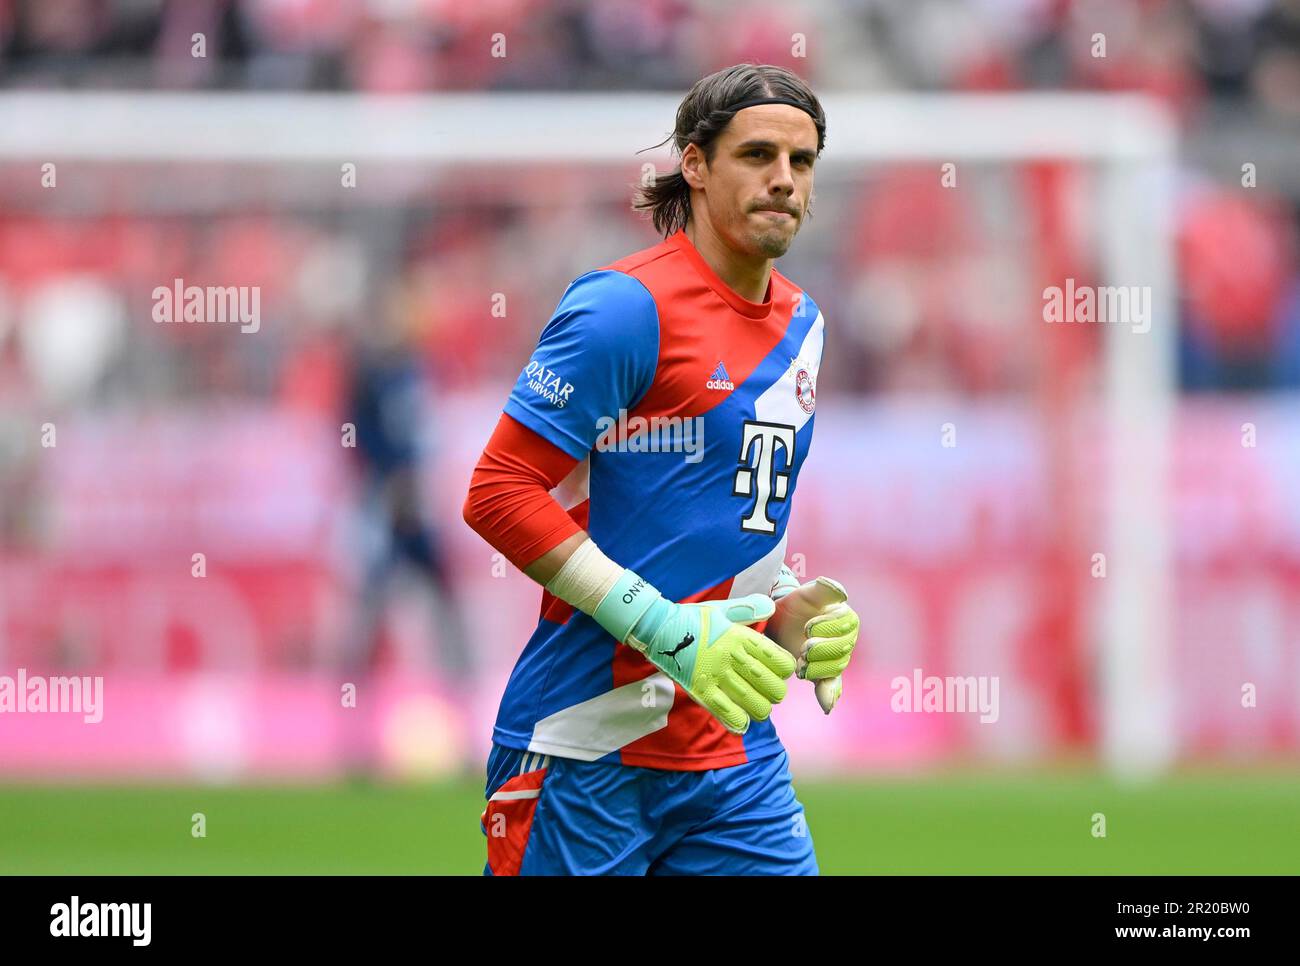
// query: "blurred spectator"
[[390, 407]]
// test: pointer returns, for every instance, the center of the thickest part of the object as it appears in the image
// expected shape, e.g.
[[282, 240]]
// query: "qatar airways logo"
[[548, 384]]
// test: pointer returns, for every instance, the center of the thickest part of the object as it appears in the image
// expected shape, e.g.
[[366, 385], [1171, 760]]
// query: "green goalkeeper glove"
[[815, 623], [707, 648]]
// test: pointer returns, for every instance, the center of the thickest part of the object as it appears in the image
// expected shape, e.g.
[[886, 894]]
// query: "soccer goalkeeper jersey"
[[690, 410]]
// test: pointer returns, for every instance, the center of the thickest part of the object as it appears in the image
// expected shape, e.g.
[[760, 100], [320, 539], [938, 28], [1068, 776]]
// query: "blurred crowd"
[[1181, 50], [377, 309], [927, 289], [922, 284]]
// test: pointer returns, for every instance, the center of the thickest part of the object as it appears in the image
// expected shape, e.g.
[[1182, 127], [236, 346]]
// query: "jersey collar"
[[751, 310]]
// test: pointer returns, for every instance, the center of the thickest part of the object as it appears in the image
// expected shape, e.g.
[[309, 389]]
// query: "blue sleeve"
[[597, 355]]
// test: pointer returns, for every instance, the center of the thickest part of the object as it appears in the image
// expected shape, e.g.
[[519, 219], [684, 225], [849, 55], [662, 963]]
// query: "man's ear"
[[693, 162]]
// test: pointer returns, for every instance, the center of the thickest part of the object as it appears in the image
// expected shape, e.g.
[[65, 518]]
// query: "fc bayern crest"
[[803, 390]]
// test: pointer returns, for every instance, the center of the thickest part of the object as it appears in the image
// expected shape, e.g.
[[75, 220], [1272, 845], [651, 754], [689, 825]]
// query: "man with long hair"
[[643, 472]]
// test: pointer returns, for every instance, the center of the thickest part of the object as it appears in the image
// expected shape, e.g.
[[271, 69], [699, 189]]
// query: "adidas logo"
[[719, 379]]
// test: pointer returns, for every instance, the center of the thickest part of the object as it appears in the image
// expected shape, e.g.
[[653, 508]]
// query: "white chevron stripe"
[[514, 796], [759, 576], [573, 489], [778, 403], [593, 728]]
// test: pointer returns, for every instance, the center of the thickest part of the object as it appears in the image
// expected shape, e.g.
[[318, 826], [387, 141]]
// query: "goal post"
[[1129, 138]]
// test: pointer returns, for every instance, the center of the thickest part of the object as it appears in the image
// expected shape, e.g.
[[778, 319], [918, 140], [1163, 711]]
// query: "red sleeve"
[[509, 502]]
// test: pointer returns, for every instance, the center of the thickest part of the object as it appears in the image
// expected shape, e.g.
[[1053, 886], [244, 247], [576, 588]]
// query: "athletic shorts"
[[560, 816]]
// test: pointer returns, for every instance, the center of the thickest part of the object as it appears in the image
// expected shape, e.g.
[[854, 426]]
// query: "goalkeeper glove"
[[707, 648], [730, 668], [814, 622]]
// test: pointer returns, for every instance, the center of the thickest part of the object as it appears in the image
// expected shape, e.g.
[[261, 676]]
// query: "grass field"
[[1221, 823]]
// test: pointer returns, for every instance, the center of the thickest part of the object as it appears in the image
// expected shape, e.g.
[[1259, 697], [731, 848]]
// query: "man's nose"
[[782, 179]]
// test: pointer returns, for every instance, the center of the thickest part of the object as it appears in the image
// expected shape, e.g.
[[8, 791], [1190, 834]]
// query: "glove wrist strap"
[[618, 599], [622, 608]]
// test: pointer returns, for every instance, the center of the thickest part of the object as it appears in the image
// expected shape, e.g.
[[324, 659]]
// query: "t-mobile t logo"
[[759, 474]]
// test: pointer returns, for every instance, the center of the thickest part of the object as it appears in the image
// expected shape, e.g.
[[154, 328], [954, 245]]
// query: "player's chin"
[[773, 242]]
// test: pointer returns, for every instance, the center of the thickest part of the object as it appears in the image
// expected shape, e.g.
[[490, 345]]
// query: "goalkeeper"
[[643, 472]]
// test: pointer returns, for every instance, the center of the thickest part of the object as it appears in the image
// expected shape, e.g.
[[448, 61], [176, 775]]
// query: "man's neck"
[[744, 275]]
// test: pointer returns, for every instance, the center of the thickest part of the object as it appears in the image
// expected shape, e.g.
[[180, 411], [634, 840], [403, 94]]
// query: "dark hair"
[[703, 115]]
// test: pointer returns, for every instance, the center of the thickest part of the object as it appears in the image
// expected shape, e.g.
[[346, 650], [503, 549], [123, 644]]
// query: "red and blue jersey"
[[653, 345]]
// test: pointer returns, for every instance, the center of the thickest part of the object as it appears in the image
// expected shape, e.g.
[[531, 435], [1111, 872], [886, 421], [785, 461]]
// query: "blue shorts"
[[561, 816]]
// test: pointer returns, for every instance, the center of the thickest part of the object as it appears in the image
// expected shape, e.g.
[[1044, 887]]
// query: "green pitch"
[[1222, 823]]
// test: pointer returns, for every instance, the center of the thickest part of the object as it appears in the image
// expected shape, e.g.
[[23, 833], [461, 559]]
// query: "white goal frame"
[[1130, 138]]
